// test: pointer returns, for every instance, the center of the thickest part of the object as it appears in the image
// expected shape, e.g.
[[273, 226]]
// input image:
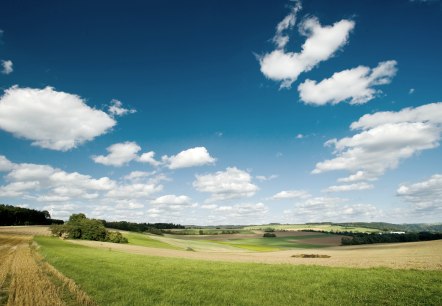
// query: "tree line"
[[365, 238], [13, 215], [140, 227]]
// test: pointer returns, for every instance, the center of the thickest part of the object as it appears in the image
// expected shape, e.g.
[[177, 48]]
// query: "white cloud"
[[428, 113], [300, 136], [349, 187], [51, 119], [119, 154], [425, 197], [68, 192], [137, 175], [148, 157], [320, 209], [320, 45], [193, 157], [229, 184], [7, 67], [246, 213], [411, 91], [291, 194], [386, 139], [281, 39], [5, 164], [134, 191], [172, 200], [354, 84], [116, 109], [266, 178], [170, 207], [358, 176]]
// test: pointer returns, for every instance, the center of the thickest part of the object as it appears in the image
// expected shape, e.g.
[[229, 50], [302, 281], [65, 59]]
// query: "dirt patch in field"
[[413, 255]]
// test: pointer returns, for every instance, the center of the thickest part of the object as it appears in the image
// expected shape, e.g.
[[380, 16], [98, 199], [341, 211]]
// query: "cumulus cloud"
[[291, 194], [198, 156], [386, 139], [137, 175], [245, 213], [119, 154], [425, 197], [170, 206], [116, 109], [229, 184], [7, 67], [349, 187], [5, 164], [322, 43], [355, 85], [51, 119], [320, 209], [57, 188], [149, 157]]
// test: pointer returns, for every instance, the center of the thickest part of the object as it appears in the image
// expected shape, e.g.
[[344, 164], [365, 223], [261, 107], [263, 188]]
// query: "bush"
[[115, 237], [80, 227], [269, 235], [269, 230]]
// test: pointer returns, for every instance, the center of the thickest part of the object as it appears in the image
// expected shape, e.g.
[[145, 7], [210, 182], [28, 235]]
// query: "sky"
[[223, 112]]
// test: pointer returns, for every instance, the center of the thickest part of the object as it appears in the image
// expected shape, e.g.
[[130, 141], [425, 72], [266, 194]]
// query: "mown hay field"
[[25, 279]]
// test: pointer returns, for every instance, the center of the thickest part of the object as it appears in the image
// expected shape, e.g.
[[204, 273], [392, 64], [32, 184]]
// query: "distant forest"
[[140, 227], [364, 238], [12, 215]]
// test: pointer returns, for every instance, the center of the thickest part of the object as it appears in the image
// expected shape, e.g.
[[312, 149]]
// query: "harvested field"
[[26, 280], [31, 230], [412, 255]]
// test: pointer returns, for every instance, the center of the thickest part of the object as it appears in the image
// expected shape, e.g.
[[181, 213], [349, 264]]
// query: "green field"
[[145, 240], [273, 244], [114, 278], [322, 227]]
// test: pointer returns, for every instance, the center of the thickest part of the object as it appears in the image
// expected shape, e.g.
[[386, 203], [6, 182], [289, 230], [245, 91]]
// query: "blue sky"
[[218, 112]]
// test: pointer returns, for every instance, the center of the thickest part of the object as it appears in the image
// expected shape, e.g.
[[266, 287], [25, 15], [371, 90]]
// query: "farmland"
[[111, 277], [239, 269]]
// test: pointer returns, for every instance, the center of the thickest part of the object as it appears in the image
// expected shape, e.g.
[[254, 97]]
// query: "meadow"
[[117, 278], [315, 227]]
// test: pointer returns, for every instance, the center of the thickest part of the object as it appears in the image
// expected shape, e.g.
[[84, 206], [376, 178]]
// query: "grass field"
[[318, 227], [114, 278], [145, 240], [273, 244]]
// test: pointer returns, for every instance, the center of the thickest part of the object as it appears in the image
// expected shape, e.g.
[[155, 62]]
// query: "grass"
[[271, 244], [145, 240], [323, 227], [114, 278]]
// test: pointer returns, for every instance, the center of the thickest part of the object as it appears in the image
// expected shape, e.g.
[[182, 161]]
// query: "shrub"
[[269, 235], [115, 237]]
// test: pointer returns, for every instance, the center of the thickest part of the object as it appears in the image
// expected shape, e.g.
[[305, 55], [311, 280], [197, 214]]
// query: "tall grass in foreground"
[[114, 278]]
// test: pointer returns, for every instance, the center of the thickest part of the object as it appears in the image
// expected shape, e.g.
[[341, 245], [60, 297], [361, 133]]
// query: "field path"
[[412, 255]]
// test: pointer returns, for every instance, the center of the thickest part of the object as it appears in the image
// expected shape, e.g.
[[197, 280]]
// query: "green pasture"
[[145, 240], [272, 244], [117, 278]]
